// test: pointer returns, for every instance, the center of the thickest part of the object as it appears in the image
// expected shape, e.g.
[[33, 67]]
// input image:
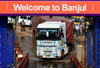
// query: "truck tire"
[[71, 45], [62, 54]]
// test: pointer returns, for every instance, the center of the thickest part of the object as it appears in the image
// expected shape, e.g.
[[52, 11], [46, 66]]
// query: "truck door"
[[62, 36]]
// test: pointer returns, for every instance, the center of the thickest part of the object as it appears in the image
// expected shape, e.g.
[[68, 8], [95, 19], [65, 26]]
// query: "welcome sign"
[[61, 7]]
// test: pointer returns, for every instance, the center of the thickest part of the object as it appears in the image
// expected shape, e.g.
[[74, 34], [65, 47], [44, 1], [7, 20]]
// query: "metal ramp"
[[50, 65]]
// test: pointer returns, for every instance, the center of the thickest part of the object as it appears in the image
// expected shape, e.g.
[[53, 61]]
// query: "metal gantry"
[[97, 42]]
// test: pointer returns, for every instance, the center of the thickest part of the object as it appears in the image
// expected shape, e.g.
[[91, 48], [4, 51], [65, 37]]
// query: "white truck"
[[11, 20], [27, 20], [52, 39]]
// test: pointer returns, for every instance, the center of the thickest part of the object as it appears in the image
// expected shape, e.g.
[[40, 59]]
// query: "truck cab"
[[51, 39]]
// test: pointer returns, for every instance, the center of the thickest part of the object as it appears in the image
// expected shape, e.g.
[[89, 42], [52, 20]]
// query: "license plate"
[[47, 54]]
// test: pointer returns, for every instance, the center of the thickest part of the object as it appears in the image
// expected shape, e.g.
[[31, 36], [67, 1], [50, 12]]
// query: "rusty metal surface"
[[76, 62], [24, 61]]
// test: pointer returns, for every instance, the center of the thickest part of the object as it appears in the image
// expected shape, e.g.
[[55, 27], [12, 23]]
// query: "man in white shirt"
[[87, 25], [81, 29], [77, 30]]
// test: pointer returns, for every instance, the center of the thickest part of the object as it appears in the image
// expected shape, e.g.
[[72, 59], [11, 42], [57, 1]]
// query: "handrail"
[[24, 61], [76, 62]]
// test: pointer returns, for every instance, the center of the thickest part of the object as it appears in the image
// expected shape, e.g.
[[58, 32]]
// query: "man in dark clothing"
[[30, 24], [34, 32], [22, 25]]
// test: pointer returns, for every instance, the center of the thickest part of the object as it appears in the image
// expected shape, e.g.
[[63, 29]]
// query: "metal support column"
[[3, 47]]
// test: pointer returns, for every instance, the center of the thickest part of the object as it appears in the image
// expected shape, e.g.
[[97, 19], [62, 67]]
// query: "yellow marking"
[[47, 54]]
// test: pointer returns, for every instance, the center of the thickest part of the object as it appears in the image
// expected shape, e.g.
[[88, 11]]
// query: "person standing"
[[74, 28], [22, 25], [34, 33], [77, 30], [81, 29], [87, 25]]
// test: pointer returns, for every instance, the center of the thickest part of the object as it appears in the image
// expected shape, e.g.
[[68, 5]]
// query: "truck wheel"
[[69, 46], [73, 46]]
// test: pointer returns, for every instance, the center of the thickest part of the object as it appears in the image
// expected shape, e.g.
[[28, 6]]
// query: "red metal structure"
[[76, 62], [23, 63]]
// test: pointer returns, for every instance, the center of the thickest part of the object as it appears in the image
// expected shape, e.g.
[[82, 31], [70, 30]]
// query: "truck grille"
[[47, 51]]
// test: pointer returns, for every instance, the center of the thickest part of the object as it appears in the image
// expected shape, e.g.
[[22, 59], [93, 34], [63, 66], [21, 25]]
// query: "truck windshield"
[[48, 34]]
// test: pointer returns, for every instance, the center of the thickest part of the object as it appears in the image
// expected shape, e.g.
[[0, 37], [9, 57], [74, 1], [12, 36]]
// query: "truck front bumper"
[[48, 52], [49, 55]]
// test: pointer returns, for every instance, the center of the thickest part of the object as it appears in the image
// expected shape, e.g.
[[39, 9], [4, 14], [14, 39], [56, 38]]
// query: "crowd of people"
[[80, 28]]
